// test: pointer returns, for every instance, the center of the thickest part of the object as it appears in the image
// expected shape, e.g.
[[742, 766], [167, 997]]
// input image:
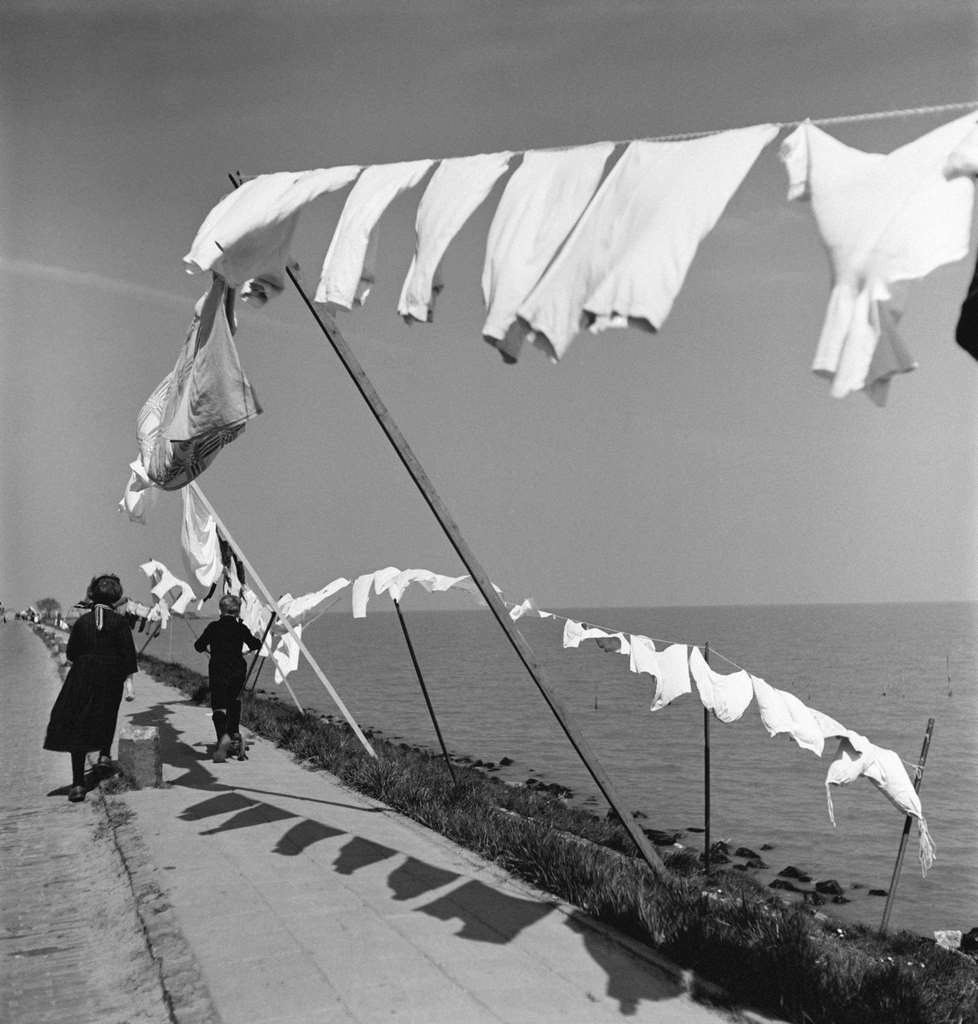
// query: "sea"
[[881, 669]]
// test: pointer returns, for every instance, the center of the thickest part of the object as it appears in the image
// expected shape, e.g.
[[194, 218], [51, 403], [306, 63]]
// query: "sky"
[[703, 465]]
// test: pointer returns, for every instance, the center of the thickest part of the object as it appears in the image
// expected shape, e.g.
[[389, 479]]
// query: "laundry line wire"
[[876, 115]]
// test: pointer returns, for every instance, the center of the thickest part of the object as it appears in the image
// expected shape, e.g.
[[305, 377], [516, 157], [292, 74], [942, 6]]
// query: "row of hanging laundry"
[[602, 235], [209, 557], [728, 697]]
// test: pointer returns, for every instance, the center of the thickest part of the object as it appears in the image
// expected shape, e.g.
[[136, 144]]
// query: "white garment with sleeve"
[[539, 206], [307, 608], [885, 219], [673, 679], [642, 656], [433, 582], [528, 606], [139, 494], [249, 232], [625, 261], [857, 756], [456, 189], [362, 584], [199, 540], [576, 632], [348, 269], [163, 582], [784, 712], [285, 657], [727, 696]]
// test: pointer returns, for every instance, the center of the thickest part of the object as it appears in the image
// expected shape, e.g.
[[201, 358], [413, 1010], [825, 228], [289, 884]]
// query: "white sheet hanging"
[[199, 540], [249, 232], [783, 712], [626, 260], [642, 656], [673, 678], [348, 269], [309, 607], [856, 757], [456, 189], [538, 208], [727, 696], [885, 220]]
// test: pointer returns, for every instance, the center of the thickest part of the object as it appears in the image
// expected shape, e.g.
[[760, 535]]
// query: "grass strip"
[[728, 928]]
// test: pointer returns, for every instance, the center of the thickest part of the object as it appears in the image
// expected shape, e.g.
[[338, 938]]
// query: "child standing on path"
[[225, 639], [103, 656]]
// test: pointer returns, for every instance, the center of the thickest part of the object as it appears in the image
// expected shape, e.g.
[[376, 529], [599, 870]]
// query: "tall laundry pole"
[[516, 639]]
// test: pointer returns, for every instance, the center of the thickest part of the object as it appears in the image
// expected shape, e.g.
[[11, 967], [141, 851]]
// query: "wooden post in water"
[[917, 781], [706, 774], [516, 639], [424, 689], [313, 664]]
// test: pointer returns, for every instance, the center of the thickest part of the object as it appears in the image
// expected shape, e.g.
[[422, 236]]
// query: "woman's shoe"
[[76, 794]]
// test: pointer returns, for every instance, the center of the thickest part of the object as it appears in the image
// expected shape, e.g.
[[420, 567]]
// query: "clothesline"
[[876, 115]]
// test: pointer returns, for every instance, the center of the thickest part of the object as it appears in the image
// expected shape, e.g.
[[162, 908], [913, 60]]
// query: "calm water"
[[879, 669]]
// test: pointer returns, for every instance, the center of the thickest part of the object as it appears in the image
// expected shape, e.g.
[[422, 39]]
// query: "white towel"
[[456, 188], [348, 269], [538, 208], [626, 260]]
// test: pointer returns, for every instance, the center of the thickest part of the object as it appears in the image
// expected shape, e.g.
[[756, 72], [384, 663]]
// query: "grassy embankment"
[[728, 928]]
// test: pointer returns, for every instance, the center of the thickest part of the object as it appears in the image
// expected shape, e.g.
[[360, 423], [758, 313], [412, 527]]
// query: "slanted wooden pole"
[[332, 334], [918, 779], [264, 637], [313, 664], [424, 689], [706, 774]]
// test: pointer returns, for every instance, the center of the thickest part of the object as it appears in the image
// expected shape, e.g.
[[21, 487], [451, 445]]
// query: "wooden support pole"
[[706, 774], [917, 782], [313, 664], [478, 574], [424, 689]]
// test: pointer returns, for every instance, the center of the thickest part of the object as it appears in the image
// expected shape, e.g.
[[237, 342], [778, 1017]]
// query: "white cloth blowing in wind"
[[350, 263], [456, 189], [885, 220], [626, 259], [539, 206]]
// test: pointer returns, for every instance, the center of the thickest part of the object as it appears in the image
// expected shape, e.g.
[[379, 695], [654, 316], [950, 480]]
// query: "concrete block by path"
[[139, 754]]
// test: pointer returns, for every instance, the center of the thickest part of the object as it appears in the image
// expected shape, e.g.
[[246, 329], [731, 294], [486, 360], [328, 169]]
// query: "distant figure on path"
[[103, 656], [3, 612], [226, 671]]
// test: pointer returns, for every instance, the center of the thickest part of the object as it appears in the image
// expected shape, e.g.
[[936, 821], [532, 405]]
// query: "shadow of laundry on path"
[[629, 988], [360, 853], [487, 915], [303, 834], [415, 877]]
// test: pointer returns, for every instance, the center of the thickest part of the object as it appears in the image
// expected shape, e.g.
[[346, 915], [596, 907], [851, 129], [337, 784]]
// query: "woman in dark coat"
[[225, 639], [102, 656]]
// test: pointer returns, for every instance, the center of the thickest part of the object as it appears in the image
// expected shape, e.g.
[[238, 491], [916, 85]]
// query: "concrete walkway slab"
[[305, 903]]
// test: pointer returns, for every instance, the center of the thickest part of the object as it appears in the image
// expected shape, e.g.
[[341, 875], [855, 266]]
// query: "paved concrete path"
[[71, 946], [306, 903]]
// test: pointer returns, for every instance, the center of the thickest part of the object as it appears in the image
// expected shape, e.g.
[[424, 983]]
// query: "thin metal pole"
[[917, 782], [424, 689], [264, 637], [313, 664], [706, 774], [151, 637], [478, 574]]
